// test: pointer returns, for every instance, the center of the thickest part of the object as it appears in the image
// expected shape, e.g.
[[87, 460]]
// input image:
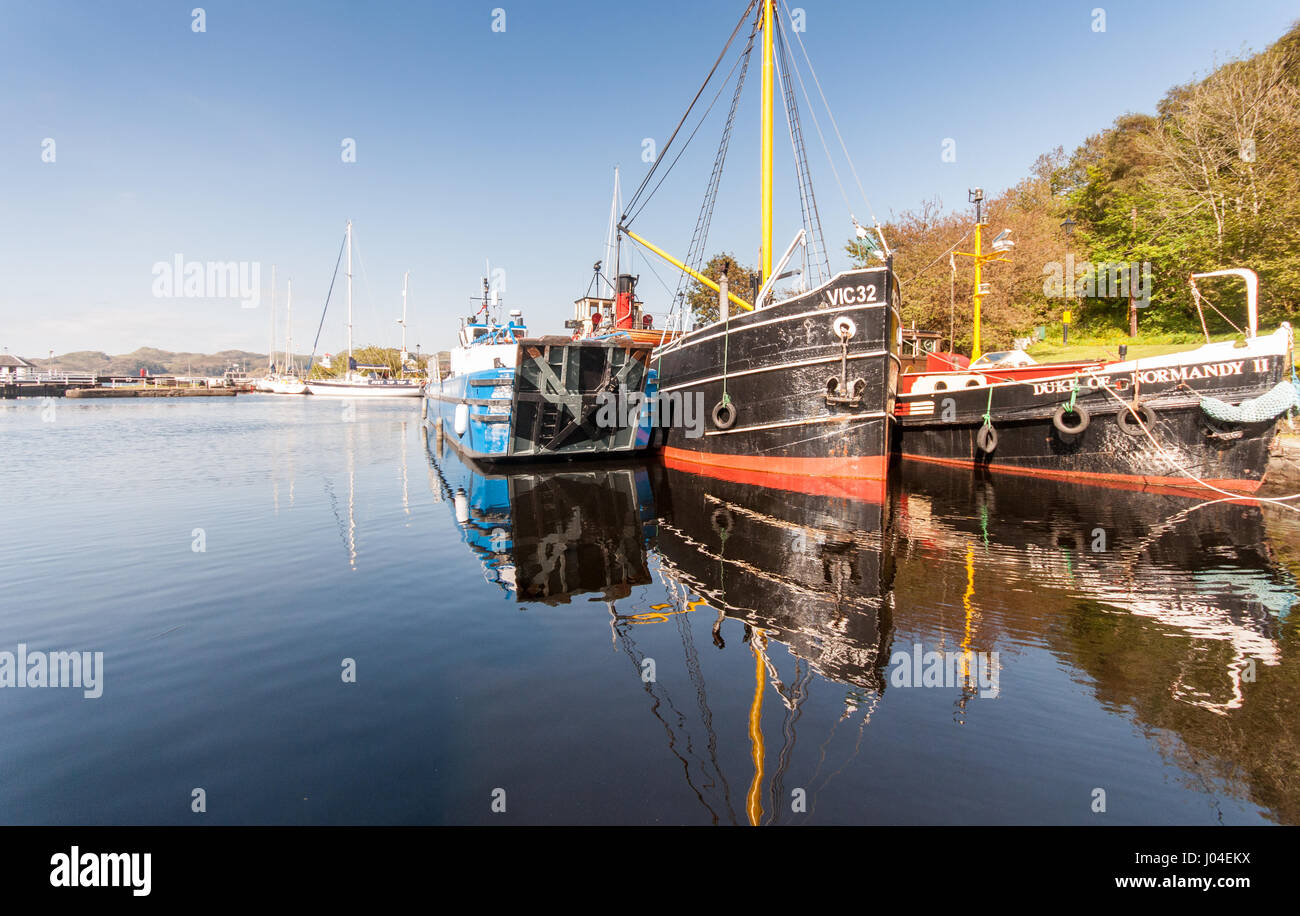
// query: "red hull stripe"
[[859, 477], [1176, 486]]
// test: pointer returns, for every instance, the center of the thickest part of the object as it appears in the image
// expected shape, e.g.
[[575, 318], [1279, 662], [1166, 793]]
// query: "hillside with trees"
[[1210, 180]]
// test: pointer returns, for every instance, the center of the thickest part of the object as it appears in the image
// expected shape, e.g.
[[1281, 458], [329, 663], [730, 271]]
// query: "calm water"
[[628, 644]]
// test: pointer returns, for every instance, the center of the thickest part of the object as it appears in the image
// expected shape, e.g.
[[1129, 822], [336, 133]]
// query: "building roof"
[[9, 361]]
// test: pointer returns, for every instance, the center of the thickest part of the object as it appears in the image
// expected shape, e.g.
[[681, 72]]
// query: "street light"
[[1068, 226], [1001, 245]]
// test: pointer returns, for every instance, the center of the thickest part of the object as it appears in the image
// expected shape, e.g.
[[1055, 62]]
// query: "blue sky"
[[476, 145]]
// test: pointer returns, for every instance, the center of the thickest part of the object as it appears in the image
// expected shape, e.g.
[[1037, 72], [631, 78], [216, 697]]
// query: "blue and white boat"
[[507, 396]]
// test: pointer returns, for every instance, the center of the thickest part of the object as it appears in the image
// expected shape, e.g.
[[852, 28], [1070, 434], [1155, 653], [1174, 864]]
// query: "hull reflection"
[[811, 570], [550, 535], [1174, 615], [1199, 571]]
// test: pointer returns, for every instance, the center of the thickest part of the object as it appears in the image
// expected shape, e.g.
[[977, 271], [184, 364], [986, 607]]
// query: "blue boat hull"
[[538, 410]]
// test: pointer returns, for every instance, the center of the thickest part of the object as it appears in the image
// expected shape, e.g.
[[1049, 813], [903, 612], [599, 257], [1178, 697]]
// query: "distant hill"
[[157, 362]]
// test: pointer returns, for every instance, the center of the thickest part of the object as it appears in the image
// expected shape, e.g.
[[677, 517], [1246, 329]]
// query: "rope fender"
[[1268, 406]]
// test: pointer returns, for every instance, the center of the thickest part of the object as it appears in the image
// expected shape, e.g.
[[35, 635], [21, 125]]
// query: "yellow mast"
[[765, 241]]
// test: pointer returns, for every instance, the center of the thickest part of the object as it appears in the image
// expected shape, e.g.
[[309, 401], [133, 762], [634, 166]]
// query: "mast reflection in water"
[[782, 641]]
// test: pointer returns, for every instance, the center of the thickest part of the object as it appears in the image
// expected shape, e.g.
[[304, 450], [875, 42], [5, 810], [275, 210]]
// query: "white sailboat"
[[265, 382], [288, 382], [363, 381]]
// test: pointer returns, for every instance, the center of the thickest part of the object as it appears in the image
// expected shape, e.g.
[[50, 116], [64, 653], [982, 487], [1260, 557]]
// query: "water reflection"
[[810, 570], [1175, 614], [774, 626], [551, 535], [1200, 573]]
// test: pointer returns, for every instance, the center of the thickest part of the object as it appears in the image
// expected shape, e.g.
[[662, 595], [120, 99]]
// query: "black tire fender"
[[1132, 422], [1066, 428]]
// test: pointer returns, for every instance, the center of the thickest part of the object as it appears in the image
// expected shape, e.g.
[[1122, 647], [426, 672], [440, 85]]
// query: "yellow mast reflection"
[[753, 801]]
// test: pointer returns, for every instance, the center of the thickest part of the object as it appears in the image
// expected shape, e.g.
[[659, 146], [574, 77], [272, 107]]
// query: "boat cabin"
[[595, 315], [922, 351], [483, 331]]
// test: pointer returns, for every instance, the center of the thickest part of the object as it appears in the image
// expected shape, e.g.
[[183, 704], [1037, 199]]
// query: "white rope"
[[812, 111], [1277, 500], [1228, 496], [831, 116]]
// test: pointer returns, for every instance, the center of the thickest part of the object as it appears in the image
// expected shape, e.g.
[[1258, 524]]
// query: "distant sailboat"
[[264, 383], [288, 382], [363, 381]]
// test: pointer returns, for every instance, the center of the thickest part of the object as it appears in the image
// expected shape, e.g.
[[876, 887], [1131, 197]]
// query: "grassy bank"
[[1106, 345]]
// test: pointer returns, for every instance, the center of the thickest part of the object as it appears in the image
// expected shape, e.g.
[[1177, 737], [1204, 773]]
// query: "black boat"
[[1200, 421], [802, 387], [790, 382]]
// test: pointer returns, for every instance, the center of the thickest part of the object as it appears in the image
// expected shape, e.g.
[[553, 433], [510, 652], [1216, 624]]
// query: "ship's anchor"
[[853, 392]]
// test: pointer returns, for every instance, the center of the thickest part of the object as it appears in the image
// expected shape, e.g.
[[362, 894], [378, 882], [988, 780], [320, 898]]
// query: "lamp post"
[[1001, 244]]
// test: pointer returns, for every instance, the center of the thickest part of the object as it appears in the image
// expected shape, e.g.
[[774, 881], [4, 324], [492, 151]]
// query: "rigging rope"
[[337, 262], [819, 256], [831, 116], [691, 136], [698, 93], [699, 238]]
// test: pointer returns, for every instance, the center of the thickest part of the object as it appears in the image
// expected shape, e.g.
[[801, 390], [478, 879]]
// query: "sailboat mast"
[[406, 279], [611, 252], [767, 126], [270, 353], [288, 343], [349, 366]]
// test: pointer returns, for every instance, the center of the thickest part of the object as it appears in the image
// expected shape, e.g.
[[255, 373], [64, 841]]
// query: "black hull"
[[1190, 451], [777, 362]]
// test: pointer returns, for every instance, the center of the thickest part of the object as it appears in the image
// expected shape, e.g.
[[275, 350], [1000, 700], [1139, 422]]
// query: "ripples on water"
[[616, 644]]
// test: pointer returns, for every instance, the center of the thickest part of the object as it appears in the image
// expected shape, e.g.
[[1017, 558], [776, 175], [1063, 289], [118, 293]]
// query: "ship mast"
[[288, 342], [767, 126], [406, 278], [349, 365], [271, 352]]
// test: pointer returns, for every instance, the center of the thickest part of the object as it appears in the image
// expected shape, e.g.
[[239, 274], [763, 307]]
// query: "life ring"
[[1136, 419], [986, 440], [1058, 420], [724, 415]]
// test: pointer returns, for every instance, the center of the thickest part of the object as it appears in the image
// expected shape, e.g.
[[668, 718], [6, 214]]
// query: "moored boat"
[[511, 397], [358, 380], [791, 381], [1199, 421]]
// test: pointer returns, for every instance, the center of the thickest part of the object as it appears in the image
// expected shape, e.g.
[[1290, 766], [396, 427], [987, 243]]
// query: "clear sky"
[[476, 145]]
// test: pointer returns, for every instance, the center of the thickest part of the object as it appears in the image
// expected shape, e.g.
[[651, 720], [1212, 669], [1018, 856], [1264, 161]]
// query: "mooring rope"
[[1227, 494], [1276, 500]]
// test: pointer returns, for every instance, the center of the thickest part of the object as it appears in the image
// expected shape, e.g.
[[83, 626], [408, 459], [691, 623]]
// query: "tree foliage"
[[1211, 180], [704, 301]]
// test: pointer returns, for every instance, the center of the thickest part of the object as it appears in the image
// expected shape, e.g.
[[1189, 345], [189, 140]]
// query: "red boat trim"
[[1169, 486], [860, 477]]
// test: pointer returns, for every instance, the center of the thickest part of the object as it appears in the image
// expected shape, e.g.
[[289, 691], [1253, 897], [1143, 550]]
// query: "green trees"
[[704, 301], [1211, 180]]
